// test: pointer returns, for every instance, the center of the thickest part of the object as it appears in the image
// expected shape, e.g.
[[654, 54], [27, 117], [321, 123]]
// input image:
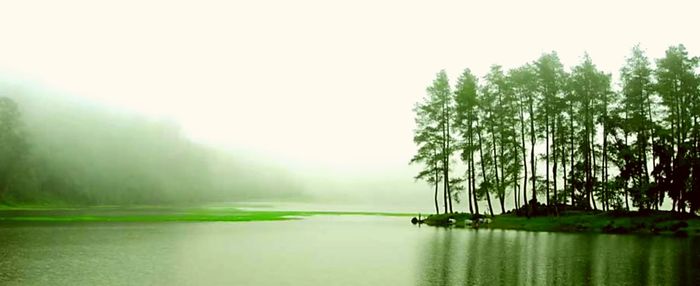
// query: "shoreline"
[[656, 223]]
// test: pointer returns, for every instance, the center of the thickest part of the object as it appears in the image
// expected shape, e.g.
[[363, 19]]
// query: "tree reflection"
[[498, 257]]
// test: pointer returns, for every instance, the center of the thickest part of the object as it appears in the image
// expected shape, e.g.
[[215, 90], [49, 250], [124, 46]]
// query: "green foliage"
[[640, 144], [465, 118], [499, 110], [677, 86], [433, 118], [524, 84]]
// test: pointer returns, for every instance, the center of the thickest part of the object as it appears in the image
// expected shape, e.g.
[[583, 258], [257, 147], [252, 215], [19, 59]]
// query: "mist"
[[81, 152], [310, 142], [317, 96]]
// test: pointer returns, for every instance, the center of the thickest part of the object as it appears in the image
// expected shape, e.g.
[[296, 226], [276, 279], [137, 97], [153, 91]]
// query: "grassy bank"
[[158, 214], [659, 222]]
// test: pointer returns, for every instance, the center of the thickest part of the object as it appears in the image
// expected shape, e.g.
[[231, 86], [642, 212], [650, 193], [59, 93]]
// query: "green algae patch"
[[161, 214]]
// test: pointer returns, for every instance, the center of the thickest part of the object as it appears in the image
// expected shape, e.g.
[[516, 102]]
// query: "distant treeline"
[[604, 148], [54, 150]]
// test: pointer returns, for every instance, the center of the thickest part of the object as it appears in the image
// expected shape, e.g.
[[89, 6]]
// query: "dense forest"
[[605, 144], [63, 150]]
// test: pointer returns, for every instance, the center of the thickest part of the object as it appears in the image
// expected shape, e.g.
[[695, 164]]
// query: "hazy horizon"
[[313, 142], [323, 90]]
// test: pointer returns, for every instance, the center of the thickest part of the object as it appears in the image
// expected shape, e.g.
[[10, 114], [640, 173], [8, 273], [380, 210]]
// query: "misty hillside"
[[77, 152]]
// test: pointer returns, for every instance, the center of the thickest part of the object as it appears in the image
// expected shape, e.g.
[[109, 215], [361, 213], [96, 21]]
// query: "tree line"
[[603, 148]]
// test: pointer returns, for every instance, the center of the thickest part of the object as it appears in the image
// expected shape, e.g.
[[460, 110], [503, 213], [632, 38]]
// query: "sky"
[[314, 84]]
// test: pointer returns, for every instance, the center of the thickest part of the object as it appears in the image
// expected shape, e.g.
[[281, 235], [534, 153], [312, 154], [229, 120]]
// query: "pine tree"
[[464, 119]]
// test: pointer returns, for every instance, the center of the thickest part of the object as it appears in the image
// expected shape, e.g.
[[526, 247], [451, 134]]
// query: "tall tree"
[[486, 184], [637, 89], [550, 78], [586, 127], [500, 119], [524, 87], [464, 119], [427, 137], [568, 133], [492, 90], [589, 86], [677, 85], [439, 112], [528, 81]]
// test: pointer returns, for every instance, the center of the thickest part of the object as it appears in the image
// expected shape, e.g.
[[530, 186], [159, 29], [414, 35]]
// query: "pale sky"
[[319, 83]]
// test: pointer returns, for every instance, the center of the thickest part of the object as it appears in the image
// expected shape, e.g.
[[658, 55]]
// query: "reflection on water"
[[498, 257], [333, 250]]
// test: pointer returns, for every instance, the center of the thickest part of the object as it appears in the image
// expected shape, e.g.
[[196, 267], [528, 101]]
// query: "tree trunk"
[[571, 139], [515, 192], [524, 151], [469, 187], [554, 166], [476, 201], [473, 168], [437, 180], [533, 140], [483, 169], [594, 168], [696, 164], [627, 201], [546, 159], [447, 156], [445, 183], [606, 199], [587, 166], [652, 133], [563, 163], [495, 169], [603, 168]]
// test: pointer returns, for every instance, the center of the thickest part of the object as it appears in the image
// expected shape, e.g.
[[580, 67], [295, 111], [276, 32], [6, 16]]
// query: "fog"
[[273, 100], [81, 152]]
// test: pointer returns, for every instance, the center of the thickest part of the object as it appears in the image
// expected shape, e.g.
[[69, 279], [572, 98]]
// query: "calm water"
[[333, 250]]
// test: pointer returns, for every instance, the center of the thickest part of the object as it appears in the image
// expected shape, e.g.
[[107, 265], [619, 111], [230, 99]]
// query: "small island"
[[614, 222], [574, 149], [345, 143]]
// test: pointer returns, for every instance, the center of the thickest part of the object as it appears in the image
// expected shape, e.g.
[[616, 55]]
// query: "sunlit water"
[[333, 250]]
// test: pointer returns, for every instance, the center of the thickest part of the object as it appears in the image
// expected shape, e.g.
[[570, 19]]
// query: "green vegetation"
[[448, 219], [159, 214], [656, 222], [598, 147]]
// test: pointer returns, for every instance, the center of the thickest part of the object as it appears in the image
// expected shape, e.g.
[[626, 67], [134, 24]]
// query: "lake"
[[333, 250]]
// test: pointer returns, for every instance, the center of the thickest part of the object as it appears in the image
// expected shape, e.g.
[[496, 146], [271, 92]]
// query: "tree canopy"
[[602, 147]]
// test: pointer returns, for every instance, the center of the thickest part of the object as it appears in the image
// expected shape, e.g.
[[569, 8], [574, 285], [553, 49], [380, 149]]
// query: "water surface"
[[333, 250]]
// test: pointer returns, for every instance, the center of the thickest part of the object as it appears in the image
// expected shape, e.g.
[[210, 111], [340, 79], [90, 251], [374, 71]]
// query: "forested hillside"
[[64, 150]]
